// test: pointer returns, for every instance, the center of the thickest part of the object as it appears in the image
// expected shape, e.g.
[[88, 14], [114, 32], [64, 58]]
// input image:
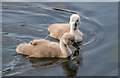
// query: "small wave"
[[24, 12]]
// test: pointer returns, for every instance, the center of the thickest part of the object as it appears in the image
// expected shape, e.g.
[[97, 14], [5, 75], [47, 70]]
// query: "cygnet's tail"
[[20, 48]]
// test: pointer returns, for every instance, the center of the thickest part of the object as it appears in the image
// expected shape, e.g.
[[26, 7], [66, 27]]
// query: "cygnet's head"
[[75, 21], [68, 39]]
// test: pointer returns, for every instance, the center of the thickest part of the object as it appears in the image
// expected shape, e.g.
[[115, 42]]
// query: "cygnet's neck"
[[65, 49]]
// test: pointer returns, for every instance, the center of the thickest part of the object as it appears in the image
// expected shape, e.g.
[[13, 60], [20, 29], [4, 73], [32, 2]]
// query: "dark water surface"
[[23, 22]]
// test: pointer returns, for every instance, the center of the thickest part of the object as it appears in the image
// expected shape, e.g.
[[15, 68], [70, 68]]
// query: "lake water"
[[25, 21]]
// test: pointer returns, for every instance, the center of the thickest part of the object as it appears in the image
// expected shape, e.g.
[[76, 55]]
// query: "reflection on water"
[[23, 22], [71, 66]]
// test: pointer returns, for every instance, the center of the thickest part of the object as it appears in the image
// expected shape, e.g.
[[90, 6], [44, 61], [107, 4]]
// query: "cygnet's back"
[[40, 49], [57, 30]]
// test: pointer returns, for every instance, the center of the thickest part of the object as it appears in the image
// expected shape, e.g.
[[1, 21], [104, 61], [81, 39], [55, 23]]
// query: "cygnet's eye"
[[77, 20], [72, 40]]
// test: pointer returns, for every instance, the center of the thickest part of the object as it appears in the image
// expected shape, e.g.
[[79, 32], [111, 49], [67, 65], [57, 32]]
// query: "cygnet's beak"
[[76, 24], [76, 45], [75, 27]]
